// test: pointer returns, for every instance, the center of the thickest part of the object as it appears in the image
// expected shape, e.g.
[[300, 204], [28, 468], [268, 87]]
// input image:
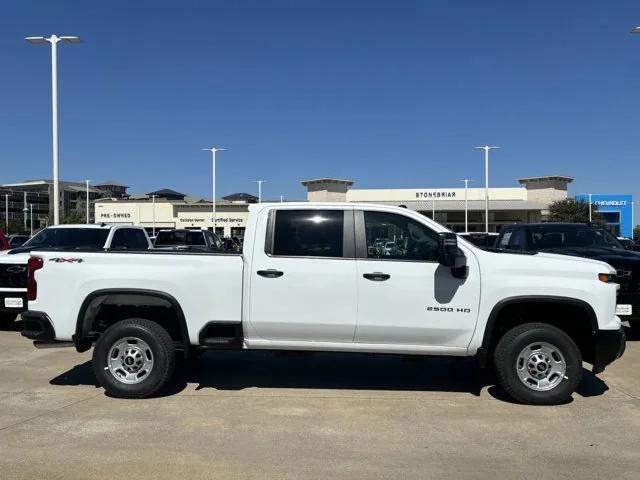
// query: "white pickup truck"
[[13, 262], [310, 278]]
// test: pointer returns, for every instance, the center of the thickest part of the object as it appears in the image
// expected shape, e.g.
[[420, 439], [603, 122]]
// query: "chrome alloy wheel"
[[130, 360], [541, 366]]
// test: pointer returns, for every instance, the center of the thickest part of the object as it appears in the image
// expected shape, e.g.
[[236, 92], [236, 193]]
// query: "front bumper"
[[608, 346], [38, 326], [633, 299]]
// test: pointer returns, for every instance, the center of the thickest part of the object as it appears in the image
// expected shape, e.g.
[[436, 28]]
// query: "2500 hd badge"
[[449, 309]]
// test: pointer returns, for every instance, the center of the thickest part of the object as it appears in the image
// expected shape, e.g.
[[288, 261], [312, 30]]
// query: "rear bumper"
[[13, 302], [38, 326], [609, 345]]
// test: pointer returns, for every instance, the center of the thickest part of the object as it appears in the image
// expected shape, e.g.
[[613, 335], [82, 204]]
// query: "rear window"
[[308, 233], [129, 238], [81, 238], [179, 237]]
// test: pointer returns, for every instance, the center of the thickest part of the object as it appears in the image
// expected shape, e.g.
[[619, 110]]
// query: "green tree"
[[573, 211], [73, 217]]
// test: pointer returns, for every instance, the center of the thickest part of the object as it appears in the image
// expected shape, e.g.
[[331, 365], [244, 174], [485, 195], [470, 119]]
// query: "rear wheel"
[[134, 358], [538, 364]]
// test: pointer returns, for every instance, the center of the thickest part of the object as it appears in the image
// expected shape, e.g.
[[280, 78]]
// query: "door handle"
[[377, 276], [271, 273]]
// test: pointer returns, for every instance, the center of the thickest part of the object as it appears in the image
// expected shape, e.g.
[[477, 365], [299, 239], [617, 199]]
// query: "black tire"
[[161, 349], [6, 319], [515, 341]]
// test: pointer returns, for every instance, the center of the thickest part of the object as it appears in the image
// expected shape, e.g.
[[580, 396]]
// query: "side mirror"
[[449, 255], [447, 249]]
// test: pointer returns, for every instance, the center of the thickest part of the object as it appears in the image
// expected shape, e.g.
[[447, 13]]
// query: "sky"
[[390, 94]]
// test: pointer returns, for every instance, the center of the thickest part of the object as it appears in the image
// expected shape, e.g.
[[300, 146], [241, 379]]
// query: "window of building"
[[309, 233], [396, 237]]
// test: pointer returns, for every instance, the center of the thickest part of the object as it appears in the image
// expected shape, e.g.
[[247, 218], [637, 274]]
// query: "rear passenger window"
[[308, 233], [129, 238]]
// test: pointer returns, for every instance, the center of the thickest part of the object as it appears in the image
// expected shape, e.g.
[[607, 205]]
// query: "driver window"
[[396, 237]]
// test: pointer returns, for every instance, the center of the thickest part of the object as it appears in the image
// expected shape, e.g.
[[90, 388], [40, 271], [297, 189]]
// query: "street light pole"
[[466, 204], [213, 151], [486, 149], [260, 182], [153, 214], [433, 208], [53, 40], [6, 212], [87, 182], [31, 215], [589, 207], [281, 198]]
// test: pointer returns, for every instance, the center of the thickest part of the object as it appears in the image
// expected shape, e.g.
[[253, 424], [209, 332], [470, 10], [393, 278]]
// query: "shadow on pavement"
[[235, 371], [11, 326]]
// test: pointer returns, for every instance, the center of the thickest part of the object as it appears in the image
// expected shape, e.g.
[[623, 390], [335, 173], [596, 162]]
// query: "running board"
[[221, 335], [41, 344]]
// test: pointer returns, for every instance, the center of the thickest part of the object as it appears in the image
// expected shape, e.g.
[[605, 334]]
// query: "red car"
[[4, 241]]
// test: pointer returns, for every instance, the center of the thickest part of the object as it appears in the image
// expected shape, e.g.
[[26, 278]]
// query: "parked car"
[[307, 281], [482, 240], [183, 239], [627, 243], [13, 265], [17, 240], [581, 240]]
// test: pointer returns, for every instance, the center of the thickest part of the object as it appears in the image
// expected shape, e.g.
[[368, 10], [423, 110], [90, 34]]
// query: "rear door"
[[303, 276], [405, 297]]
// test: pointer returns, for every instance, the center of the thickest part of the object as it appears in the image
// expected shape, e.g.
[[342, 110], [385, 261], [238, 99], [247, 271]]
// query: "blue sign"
[[617, 211]]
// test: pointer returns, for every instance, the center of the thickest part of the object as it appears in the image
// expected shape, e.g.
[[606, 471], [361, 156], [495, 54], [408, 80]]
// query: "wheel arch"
[[484, 353], [85, 318]]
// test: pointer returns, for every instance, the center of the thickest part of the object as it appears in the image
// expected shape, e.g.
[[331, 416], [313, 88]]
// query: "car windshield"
[[179, 237], [69, 238], [572, 237]]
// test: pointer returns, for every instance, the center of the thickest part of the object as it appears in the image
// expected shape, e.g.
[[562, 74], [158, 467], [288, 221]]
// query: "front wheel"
[[133, 358], [538, 364]]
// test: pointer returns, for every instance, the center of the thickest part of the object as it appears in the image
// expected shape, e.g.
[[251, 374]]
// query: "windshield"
[[69, 238], [572, 237], [179, 237]]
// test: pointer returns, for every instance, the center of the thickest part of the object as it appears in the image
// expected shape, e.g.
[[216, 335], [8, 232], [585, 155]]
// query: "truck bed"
[[207, 285]]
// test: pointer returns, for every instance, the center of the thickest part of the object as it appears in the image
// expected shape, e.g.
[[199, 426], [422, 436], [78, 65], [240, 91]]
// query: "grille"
[[629, 280], [13, 275]]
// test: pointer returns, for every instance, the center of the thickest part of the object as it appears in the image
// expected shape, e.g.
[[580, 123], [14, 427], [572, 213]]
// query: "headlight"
[[607, 277]]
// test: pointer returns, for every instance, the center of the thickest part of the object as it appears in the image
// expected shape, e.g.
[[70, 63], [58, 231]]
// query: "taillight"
[[33, 264]]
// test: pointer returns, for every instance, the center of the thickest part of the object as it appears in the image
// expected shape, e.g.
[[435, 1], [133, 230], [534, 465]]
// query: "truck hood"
[[615, 257], [15, 258]]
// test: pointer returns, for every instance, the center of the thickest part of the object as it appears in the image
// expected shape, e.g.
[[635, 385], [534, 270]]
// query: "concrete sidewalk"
[[263, 416]]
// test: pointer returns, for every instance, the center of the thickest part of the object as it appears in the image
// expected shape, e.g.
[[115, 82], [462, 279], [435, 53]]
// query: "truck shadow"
[[235, 371]]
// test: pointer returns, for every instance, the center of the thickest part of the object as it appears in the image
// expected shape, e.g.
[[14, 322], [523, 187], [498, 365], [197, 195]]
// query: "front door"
[[303, 284], [404, 295]]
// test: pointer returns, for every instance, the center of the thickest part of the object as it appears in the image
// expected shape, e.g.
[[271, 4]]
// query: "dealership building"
[[167, 208], [617, 211], [528, 202]]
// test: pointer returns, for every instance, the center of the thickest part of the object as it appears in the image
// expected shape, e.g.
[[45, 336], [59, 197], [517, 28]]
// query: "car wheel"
[[134, 358], [538, 364]]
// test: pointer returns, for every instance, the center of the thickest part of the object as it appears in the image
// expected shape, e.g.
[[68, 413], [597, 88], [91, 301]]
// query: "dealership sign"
[[431, 194]]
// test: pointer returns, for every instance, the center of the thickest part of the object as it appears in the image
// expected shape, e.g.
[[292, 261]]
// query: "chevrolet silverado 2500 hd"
[[309, 279]]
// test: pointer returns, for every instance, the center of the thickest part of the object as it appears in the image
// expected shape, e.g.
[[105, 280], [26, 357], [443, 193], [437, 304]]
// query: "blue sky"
[[389, 94]]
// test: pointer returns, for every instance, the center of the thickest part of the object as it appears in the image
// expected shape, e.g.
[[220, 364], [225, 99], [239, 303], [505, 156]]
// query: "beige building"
[[527, 203], [168, 210]]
